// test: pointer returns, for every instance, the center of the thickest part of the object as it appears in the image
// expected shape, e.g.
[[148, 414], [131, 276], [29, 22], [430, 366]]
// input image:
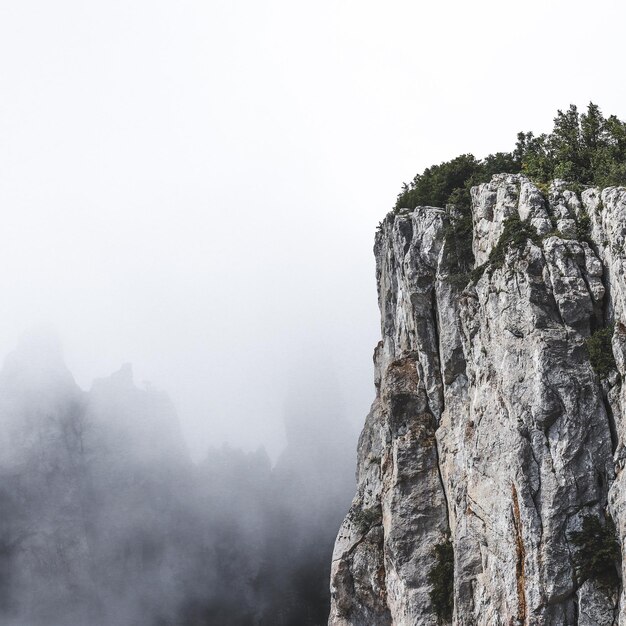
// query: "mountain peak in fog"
[[36, 372], [124, 376]]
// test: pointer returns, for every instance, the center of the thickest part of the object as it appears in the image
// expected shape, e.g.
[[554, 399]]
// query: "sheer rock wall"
[[490, 426]]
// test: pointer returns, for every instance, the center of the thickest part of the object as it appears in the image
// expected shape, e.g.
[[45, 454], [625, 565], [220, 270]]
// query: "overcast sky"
[[193, 185]]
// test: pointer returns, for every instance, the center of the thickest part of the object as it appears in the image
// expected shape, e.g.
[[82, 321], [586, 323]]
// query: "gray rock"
[[567, 228], [607, 213], [490, 425]]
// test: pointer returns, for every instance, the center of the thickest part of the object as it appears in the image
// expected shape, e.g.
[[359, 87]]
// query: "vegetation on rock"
[[601, 351], [584, 149], [583, 227], [364, 519], [516, 233], [458, 235]]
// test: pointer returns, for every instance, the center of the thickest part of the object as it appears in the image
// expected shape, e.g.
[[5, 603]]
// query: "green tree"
[[583, 148], [435, 184]]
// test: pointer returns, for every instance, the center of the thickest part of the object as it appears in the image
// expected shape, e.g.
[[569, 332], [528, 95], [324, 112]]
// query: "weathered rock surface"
[[490, 426]]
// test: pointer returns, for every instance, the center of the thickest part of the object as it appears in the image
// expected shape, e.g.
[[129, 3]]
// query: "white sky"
[[193, 186]]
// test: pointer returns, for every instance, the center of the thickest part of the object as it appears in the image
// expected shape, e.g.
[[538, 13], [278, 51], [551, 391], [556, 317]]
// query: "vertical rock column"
[[606, 210], [384, 550]]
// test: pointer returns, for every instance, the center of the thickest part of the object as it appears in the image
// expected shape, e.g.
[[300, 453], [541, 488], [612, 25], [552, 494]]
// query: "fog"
[[192, 188], [105, 519]]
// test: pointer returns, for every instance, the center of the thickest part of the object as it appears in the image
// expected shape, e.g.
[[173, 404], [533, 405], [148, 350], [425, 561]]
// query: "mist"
[[193, 187], [189, 193], [106, 519]]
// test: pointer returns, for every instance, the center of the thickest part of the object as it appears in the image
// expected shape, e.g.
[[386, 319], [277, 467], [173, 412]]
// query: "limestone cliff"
[[491, 429]]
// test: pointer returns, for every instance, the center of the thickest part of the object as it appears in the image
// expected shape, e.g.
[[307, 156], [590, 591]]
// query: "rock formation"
[[83, 537], [106, 521], [492, 436]]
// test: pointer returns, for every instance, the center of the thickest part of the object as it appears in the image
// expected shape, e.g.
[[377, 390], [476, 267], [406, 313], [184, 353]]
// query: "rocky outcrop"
[[490, 428]]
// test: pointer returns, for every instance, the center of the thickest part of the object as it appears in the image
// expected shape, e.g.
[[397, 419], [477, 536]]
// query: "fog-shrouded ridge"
[[105, 520]]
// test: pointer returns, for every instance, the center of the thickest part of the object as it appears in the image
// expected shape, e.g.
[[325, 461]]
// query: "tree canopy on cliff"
[[585, 148]]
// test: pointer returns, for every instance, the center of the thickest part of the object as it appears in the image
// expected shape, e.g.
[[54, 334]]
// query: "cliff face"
[[490, 428]]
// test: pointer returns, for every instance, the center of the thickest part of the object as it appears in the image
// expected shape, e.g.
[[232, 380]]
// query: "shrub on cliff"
[[515, 233], [601, 351], [583, 148], [364, 519]]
